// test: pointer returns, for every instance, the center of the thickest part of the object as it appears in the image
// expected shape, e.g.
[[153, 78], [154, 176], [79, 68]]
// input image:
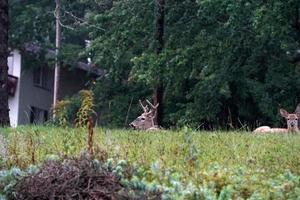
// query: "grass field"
[[241, 159]]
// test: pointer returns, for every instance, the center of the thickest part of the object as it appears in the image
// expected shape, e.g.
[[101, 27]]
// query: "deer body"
[[292, 124], [146, 120], [267, 129]]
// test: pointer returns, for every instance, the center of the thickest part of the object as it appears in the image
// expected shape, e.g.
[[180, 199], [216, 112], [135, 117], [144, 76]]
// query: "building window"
[[40, 77], [12, 83], [38, 116]]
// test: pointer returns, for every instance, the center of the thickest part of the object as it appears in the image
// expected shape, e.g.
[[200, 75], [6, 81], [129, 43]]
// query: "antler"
[[153, 107], [145, 108]]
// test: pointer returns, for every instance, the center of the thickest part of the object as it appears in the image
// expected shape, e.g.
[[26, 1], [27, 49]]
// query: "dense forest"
[[210, 63]]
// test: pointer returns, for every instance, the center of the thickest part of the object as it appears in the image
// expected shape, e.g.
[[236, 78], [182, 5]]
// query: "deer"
[[291, 120], [146, 120]]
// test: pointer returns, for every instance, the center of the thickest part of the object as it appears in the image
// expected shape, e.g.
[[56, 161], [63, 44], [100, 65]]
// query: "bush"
[[77, 178], [75, 110]]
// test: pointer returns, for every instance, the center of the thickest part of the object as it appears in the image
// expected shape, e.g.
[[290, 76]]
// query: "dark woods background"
[[223, 63]]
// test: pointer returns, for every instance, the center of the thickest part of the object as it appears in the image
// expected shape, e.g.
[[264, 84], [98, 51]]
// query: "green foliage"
[[113, 99], [225, 63], [171, 150], [33, 22], [75, 110], [3, 150], [127, 33], [22, 26], [61, 111], [86, 108], [72, 108], [224, 165], [9, 178]]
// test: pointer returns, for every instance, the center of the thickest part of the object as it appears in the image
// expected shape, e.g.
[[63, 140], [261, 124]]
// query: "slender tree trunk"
[[158, 98], [57, 63], [160, 30], [4, 110], [160, 25]]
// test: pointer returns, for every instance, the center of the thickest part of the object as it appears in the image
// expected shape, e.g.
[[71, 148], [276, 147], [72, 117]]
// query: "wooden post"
[[57, 47], [90, 126]]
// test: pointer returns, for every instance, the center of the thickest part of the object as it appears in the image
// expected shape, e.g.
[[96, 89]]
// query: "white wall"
[[28, 95], [14, 68]]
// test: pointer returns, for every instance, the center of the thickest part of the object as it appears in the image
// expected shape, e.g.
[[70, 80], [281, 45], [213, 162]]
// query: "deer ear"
[[297, 111], [283, 113]]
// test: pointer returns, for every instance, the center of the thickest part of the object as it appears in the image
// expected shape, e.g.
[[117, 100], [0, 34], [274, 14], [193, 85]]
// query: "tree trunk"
[[4, 110], [158, 98], [160, 25], [160, 30]]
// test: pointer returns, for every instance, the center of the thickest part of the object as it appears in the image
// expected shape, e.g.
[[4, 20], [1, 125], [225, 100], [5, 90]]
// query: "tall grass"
[[184, 164], [183, 151]]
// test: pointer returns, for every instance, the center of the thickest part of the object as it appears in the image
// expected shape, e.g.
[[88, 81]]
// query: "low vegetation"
[[181, 164], [79, 178]]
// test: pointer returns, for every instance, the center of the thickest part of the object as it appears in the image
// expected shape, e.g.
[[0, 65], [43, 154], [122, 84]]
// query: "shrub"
[[86, 108], [76, 109], [77, 178]]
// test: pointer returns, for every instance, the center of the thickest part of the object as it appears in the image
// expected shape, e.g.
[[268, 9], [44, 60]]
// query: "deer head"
[[291, 119], [146, 120]]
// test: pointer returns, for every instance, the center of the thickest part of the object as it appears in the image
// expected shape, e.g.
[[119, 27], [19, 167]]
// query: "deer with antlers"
[[291, 119], [146, 120]]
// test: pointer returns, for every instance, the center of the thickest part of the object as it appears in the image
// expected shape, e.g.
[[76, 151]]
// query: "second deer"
[[146, 120], [291, 120]]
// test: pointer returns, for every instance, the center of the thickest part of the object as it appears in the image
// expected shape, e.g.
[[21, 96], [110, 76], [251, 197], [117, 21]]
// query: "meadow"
[[234, 164]]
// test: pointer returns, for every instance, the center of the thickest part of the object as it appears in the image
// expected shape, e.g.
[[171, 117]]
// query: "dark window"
[[45, 115], [40, 77], [38, 116], [37, 80], [12, 83]]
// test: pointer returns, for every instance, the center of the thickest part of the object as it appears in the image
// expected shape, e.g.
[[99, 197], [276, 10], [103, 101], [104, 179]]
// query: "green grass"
[[184, 151], [228, 164]]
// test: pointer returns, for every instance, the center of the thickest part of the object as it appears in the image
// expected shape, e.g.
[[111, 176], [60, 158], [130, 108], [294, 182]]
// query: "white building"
[[31, 88]]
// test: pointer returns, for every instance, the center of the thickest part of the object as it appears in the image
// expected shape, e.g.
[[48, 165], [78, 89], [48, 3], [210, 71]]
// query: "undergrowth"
[[183, 164]]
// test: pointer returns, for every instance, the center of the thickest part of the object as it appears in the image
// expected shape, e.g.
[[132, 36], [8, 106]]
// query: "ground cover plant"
[[182, 164], [76, 178]]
